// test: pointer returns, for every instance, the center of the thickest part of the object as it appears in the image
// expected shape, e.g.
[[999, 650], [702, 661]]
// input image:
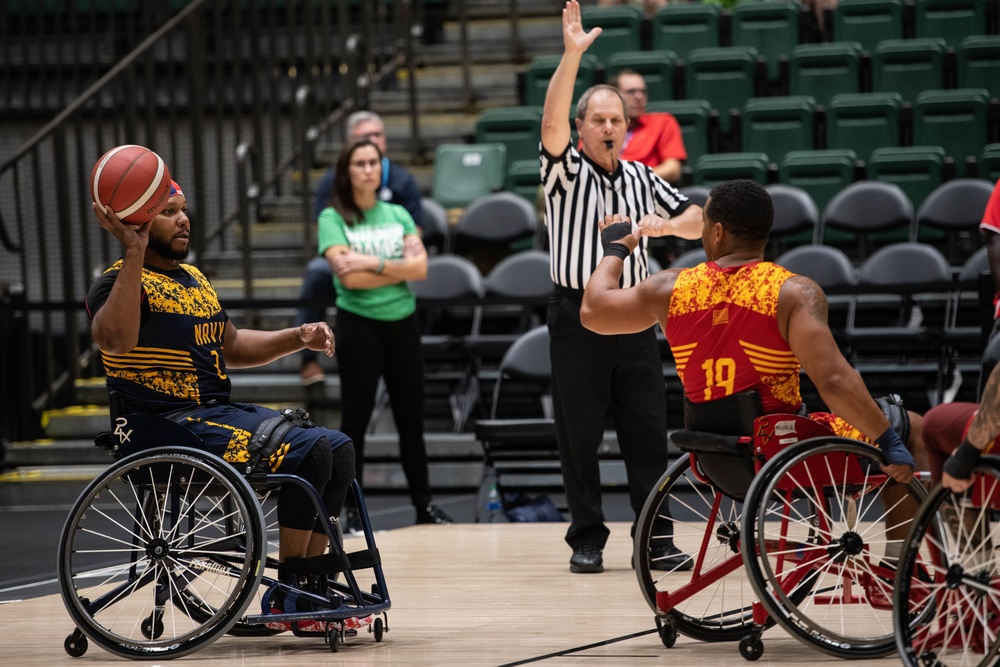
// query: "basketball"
[[133, 181]]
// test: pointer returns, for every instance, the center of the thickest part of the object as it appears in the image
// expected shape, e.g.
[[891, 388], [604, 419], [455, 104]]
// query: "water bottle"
[[494, 506]]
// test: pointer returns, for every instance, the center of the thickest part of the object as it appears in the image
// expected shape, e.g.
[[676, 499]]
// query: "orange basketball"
[[133, 181]]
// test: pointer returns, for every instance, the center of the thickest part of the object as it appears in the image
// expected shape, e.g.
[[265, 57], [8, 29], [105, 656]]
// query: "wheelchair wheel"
[[815, 532], [684, 509], [161, 554], [196, 607], [947, 597]]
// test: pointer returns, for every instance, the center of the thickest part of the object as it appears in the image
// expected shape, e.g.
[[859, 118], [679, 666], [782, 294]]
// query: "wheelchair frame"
[[815, 506], [166, 550]]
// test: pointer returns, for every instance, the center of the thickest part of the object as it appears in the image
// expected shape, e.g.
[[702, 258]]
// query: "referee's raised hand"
[[574, 36]]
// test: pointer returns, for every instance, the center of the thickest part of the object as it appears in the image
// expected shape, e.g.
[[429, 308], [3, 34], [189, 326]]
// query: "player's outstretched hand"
[[317, 336]]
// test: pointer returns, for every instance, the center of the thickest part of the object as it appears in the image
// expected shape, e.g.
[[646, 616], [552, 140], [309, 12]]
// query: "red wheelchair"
[[947, 593], [785, 523]]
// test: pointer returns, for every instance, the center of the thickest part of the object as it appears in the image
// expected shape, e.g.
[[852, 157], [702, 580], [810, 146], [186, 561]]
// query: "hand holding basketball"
[[131, 181]]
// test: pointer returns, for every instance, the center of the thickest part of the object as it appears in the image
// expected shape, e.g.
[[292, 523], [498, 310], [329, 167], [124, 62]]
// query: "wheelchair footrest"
[[333, 564]]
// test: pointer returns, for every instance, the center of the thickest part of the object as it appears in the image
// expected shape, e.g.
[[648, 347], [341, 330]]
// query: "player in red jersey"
[[737, 323]]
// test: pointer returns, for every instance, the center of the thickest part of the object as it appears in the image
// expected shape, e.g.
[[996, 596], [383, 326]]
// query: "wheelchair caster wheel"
[[333, 638], [151, 629], [76, 644], [378, 629], [751, 648], [668, 633]]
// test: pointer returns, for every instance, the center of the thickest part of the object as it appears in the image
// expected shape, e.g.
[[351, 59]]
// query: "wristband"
[[381, 265], [894, 450], [612, 233], [617, 250], [961, 462]]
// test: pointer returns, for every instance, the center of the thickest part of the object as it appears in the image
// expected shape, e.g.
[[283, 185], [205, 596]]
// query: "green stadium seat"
[[951, 20], [989, 163], [523, 177], [726, 77], [979, 63], [868, 22], [656, 67], [620, 29], [778, 125], [864, 122], [694, 117], [953, 119], [772, 28], [824, 70], [681, 28], [464, 172], [918, 170], [908, 66], [710, 170], [541, 70], [821, 173], [517, 128]]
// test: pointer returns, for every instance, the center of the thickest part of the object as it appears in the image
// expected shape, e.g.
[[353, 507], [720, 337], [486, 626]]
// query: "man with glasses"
[[398, 187], [653, 139]]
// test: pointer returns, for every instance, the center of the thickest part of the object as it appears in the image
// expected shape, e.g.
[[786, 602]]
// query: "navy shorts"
[[226, 431]]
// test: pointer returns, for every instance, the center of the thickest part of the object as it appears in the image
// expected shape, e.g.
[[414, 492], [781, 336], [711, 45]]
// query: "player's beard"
[[161, 247]]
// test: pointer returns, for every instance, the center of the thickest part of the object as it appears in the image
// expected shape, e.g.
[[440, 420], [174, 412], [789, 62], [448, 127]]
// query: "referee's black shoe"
[[669, 558], [587, 558]]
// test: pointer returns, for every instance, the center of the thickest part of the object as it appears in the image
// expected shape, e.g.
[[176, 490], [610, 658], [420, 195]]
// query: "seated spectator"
[[653, 139]]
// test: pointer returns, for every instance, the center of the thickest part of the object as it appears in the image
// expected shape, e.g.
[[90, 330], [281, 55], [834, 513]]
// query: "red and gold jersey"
[[723, 332]]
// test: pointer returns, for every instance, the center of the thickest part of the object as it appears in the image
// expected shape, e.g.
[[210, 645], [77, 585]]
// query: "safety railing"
[[193, 81]]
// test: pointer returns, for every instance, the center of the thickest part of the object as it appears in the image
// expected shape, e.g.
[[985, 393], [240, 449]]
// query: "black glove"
[[961, 462], [612, 233], [894, 450]]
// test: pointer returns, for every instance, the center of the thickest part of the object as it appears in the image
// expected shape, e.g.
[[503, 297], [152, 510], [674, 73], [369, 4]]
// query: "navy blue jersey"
[[178, 360]]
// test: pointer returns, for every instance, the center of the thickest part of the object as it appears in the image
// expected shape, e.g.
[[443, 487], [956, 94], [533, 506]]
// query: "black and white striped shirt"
[[579, 193]]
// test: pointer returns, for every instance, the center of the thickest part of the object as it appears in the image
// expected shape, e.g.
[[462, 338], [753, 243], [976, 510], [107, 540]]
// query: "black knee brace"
[[899, 419], [341, 475], [295, 507]]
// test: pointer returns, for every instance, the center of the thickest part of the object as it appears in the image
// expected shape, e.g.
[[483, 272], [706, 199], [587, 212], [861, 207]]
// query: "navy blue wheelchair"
[[172, 547]]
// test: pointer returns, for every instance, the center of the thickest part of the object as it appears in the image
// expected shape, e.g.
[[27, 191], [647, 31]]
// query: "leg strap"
[[268, 435]]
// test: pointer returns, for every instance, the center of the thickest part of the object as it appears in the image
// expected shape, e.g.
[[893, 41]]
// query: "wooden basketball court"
[[464, 594]]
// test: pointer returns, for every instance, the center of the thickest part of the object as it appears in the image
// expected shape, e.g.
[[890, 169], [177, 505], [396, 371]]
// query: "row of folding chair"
[[728, 75], [917, 170], [866, 215], [469, 321], [776, 27], [959, 121]]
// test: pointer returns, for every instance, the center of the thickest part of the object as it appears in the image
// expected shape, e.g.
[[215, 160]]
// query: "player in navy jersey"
[[167, 345]]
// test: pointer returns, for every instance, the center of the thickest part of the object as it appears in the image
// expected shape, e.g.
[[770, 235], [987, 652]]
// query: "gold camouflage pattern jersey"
[[723, 334], [178, 359]]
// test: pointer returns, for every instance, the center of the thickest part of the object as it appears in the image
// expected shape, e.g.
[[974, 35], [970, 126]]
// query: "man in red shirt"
[[653, 139]]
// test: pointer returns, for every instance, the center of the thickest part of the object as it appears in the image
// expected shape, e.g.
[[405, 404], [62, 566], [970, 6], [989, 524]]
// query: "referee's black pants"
[[591, 372]]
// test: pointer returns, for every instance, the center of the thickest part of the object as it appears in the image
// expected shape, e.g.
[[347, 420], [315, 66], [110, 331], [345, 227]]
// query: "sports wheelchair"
[[168, 550], [947, 595], [787, 525]]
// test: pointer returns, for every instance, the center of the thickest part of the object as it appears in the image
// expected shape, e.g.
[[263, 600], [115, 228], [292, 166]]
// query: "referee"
[[591, 372]]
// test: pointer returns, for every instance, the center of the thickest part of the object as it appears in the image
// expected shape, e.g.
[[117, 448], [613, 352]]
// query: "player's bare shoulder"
[[800, 292], [659, 285]]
